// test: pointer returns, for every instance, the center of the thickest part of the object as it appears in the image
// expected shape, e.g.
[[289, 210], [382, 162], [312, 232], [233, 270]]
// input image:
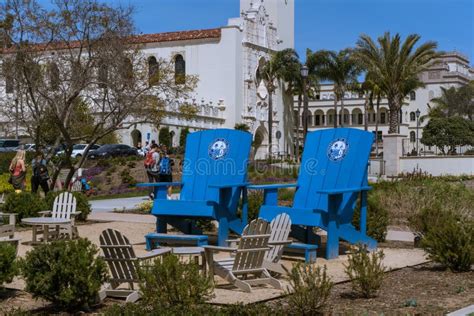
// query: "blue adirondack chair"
[[332, 174], [213, 181]]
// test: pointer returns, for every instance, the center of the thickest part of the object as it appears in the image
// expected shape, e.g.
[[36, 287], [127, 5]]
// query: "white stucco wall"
[[438, 166]]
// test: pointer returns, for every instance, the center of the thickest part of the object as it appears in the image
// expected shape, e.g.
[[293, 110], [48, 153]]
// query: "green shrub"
[[377, 218], [25, 204], [254, 200], [311, 289], [8, 264], [408, 197], [447, 237], [82, 206], [67, 273], [168, 282], [127, 178], [365, 271]]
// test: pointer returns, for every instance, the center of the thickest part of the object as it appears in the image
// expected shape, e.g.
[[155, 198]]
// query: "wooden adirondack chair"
[[64, 206], [214, 178], [248, 258], [123, 264], [280, 231], [333, 173]]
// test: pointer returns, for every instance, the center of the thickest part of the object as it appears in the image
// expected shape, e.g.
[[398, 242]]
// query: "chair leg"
[[244, 286]]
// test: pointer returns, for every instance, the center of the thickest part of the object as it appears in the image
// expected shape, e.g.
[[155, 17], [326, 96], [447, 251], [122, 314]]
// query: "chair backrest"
[[64, 204], [253, 245], [119, 255], [214, 157], [76, 186], [280, 231], [333, 158]]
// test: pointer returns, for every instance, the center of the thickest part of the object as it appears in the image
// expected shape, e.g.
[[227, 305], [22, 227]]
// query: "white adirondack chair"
[[76, 186], [123, 264], [7, 230], [64, 206], [248, 258], [280, 231]]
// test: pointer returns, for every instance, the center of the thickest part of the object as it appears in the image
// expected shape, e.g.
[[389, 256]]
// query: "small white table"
[[192, 252], [44, 222]]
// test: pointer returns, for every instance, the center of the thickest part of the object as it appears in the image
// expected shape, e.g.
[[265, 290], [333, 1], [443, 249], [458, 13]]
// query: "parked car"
[[7, 145], [113, 150], [78, 150]]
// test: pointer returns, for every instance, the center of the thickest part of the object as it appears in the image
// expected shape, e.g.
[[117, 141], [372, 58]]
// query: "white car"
[[78, 150]]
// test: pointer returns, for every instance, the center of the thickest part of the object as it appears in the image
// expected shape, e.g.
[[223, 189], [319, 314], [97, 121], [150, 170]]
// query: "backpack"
[[165, 165], [149, 161]]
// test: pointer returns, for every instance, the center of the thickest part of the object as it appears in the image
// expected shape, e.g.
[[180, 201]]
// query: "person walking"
[[166, 172], [18, 171], [40, 175], [152, 160]]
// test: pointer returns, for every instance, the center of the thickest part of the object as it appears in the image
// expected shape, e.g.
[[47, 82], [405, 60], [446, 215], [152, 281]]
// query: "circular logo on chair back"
[[337, 149], [218, 149]]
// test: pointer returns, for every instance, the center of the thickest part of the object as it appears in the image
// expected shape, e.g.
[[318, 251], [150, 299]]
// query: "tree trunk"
[[298, 129], [366, 114], [270, 124], [393, 116], [377, 127], [335, 112], [342, 111]]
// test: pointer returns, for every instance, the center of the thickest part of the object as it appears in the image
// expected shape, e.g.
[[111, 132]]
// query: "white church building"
[[226, 60]]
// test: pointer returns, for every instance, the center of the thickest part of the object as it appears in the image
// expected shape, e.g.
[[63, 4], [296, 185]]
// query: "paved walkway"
[[108, 210]]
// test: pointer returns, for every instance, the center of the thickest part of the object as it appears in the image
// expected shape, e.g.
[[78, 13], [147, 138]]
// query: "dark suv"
[[9, 144], [112, 150]]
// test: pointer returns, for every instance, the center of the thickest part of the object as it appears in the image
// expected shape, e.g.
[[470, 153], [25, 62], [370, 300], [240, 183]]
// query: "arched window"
[[412, 137], [179, 69], [54, 76], [412, 116], [102, 76], [317, 120], [153, 71], [412, 95], [360, 119], [382, 118]]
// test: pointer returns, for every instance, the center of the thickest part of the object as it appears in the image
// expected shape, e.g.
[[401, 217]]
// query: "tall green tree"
[[454, 102], [396, 67], [279, 67], [448, 132], [339, 67]]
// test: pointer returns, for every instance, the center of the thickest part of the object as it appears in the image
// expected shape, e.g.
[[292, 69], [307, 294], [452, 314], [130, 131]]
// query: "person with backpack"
[[40, 175], [152, 160], [165, 169]]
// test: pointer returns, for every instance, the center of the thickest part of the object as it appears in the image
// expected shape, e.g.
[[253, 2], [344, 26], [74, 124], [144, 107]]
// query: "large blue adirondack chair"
[[332, 174], [214, 176]]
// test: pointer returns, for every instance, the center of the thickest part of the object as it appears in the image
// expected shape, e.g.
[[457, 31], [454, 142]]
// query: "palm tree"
[[396, 67], [279, 67], [453, 102], [340, 68], [295, 87]]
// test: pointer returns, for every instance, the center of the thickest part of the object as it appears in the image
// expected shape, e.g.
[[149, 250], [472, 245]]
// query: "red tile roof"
[[177, 36], [139, 39]]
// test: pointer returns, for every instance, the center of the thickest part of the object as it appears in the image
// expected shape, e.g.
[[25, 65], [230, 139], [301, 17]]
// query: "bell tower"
[[281, 14]]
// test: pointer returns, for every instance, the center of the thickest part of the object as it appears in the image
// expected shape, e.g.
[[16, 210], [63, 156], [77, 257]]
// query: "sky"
[[326, 24]]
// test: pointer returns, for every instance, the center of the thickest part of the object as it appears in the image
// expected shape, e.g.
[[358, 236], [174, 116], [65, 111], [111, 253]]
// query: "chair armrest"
[[154, 253], [344, 190], [280, 243], [44, 213], [8, 214], [227, 185], [271, 186], [232, 242], [160, 184], [76, 213], [219, 248]]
